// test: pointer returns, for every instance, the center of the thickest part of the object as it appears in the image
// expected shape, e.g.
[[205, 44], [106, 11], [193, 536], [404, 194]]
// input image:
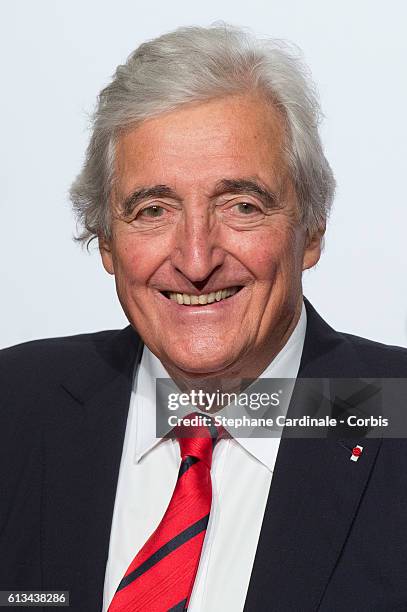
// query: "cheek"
[[134, 262], [270, 252]]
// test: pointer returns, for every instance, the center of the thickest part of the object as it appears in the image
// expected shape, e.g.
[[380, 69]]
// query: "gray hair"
[[194, 64]]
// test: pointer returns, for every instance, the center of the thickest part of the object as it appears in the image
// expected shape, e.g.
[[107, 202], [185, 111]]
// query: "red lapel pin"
[[356, 452]]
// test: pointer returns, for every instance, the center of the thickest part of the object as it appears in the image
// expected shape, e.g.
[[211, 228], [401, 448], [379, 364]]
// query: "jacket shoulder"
[[32, 369], [334, 354], [390, 360], [51, 351]]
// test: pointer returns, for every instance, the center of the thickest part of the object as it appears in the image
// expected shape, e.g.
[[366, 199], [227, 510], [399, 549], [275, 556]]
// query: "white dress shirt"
[[241, 473]]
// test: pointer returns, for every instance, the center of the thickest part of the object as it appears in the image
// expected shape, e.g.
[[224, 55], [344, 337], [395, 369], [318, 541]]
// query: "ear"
[[313, 248], [106, 255]]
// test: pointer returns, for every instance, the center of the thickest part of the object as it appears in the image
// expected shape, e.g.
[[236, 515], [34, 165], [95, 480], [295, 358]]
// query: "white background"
[[57, 54]]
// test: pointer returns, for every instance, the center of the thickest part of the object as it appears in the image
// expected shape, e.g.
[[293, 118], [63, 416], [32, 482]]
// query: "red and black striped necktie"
[[161, 576]]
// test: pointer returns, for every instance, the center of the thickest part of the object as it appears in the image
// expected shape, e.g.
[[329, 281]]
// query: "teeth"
[[205, 298]]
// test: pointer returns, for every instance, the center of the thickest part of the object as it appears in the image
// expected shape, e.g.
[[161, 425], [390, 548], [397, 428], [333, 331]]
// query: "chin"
[[199, 362]]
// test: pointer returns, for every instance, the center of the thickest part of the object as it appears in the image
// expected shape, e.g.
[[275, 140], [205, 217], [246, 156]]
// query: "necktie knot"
[[197, 436]]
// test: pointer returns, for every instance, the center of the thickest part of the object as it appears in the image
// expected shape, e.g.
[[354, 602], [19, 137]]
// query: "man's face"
[[204, 211]]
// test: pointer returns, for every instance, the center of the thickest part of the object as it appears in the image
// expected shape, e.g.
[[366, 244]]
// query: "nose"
[[197, 254]]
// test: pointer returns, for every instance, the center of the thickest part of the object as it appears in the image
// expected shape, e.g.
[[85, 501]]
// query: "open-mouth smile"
[[188, 299]]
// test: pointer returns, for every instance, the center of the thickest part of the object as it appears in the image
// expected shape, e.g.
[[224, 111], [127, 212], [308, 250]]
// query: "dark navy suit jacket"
[[334, 534]]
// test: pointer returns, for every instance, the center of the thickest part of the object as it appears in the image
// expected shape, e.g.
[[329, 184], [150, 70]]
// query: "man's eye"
[[246, 208], [153, 211]]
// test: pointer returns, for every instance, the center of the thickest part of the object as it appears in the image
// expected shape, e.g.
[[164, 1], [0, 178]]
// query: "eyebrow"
[[236, 186], [157, 191], [247, 186]]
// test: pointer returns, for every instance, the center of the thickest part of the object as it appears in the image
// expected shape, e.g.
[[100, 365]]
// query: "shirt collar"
[[143, 398], [284, 365]]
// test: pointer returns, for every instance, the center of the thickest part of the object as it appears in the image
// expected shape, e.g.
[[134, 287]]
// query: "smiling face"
[[207, 248]]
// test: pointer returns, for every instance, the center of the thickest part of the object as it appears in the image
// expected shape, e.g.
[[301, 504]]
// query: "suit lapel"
[[104, 455], [98, 393], [314, 496], [313, 499]]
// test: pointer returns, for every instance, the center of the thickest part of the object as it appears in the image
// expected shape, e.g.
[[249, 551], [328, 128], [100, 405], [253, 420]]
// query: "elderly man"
[[207, 188]]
